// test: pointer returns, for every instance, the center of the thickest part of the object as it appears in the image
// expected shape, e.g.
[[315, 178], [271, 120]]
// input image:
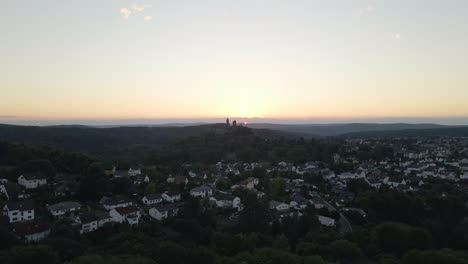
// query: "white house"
[[152, 199], [32, 181], [171, 197], [139, 179], [226, 200], [132, 172], [19, 211], [202, 191], [129, 214], [64, 208], [278, 206], [326, 221], [88, 221], [164, 211]]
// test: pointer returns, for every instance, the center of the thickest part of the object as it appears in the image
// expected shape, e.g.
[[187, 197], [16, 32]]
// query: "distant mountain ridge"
[[326, 130]]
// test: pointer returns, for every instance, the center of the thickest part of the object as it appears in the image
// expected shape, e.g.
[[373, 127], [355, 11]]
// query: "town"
[[36, 202]]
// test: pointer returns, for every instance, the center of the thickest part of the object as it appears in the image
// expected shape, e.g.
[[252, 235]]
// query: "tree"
[[277, 188], [256, 215], [346, 251], [31, 254], [98, 259]]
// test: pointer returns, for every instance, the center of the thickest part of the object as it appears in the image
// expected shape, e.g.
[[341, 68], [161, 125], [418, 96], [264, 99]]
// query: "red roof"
[[30, 228], [180, 179], [127, 210]]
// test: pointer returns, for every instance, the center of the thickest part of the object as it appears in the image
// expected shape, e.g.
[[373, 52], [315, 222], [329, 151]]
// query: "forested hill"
[[434, 132], [113, 143]]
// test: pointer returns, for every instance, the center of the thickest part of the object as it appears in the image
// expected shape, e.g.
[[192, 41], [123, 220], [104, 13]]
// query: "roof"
[[64, 206], [88, 217], [127, 210], [22, 205], [165, 207], [115, 200], [180, 179], [30, 228], [153, 196], [34, 176], [202, 188]]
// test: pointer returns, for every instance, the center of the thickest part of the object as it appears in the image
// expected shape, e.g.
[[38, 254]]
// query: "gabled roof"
[[88, 217], [115, 200], [34, 176], [64, 206], [22, 205], [203, 188], [127, 210], [155, 196]]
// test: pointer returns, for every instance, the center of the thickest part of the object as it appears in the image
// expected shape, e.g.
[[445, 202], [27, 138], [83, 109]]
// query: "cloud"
[[397, 36], [125, 12], [366, 10], [148, 18], [138, 8]]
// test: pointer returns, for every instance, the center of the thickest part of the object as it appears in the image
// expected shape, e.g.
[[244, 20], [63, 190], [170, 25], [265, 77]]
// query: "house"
[[278, 206], [202, 191], [374, 182], [164, 211], [152, 199], [11, 190], [299, 202], [32, 180], [317, 202], [139, 179], [120, 174], [326, 221], [226, 200], [128, 214], [31, 231], [64, 208], [19, 211], [103, 218], [349, 175], [249, 183], [134, 172], [171, 197], [88, 222], [117, 201]]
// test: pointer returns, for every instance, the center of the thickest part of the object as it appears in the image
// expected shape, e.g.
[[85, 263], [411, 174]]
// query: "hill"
[[111, 143], [326, 130]]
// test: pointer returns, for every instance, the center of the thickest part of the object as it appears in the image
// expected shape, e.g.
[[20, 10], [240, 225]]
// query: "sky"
[[289, 61]]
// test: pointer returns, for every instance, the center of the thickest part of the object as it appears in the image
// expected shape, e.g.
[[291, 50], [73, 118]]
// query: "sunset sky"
[[200, 59]]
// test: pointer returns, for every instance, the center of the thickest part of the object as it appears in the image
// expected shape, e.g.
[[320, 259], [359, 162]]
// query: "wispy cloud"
[[138, 8], [148, 18], [125, 12]]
